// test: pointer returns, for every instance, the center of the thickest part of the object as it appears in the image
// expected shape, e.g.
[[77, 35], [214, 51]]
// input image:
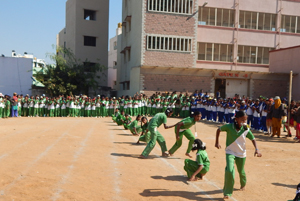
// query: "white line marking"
[[22, 176], [71, 167], [192, 184]]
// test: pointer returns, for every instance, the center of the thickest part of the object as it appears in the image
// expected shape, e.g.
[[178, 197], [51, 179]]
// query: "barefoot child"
[[197, 169], [155, 122], [237, 132], [183, 129]]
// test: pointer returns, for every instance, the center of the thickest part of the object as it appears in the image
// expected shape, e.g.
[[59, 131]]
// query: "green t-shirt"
[[236, 140], [202, 158], [133, 124], [188, 123], [157, 120]]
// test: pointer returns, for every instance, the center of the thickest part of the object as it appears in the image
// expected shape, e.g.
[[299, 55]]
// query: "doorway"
[[220, 85]]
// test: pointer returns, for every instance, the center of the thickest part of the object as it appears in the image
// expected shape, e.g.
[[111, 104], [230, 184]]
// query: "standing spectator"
[[269, 116], [277, 111], [296, 112], [14, 105]]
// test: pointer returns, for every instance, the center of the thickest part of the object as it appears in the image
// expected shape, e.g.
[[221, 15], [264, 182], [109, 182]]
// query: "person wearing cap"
[[277, 111], [155, 122], [197, 169], [237, 132], [182, 128]]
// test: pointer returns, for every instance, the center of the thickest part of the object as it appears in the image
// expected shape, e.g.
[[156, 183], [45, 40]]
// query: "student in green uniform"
[[57, 108], [20, 105], [1, 105], [93, 110], [155, 122], [145, 136], [6, 107], [31, 106], [103, 107], [117, 113], [135, 107], [98, 105], [120, 118], [134, 128], [129, 106], [237, 133], [51, 105], [42, 106], [127, 121], [25, 107], [197, 169], [63, 108], [121, 101], [183, 129]]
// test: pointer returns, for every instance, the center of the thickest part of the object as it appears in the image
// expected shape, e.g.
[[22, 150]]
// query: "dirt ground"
[[94, 159]]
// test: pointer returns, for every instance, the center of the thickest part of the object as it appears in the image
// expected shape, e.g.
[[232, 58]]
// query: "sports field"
[[94, 159]]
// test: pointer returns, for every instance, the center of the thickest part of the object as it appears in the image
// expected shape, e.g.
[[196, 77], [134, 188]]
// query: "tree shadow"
[[118, 129], [172, 178], [181, 194], [285, 185]]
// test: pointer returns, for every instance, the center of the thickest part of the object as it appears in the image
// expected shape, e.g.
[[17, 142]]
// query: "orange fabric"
[[277, 103], [276, 126]]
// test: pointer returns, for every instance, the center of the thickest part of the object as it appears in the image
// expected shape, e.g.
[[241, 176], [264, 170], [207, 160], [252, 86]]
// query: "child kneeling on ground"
[[197, 169]]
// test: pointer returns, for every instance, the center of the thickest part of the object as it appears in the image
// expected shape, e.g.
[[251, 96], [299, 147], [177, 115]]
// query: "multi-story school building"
[[86, 33], [169, 45]]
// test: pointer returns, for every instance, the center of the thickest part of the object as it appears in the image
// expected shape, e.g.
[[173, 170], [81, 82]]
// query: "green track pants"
[[189, 135], [191, 166], [229, 173], [155, 136]]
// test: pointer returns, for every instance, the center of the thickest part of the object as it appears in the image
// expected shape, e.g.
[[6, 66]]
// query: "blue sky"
[[31, 25]]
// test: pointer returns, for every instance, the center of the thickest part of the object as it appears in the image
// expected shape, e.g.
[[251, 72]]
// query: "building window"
[[258, 21], [216, 17], [89, 14], [215, 52], [171, 6], [166, 43], [89, 67], [129, 54], [254, 55], [290, 24], [89, 41]]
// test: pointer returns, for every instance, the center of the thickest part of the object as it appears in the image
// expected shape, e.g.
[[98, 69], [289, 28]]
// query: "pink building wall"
[[284, 61]]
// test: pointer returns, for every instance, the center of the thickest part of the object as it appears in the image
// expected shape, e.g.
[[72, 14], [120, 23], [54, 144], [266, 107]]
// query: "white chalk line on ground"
[[192, 184], [116, 171], [21, 145], [76, 155], [44, 153]]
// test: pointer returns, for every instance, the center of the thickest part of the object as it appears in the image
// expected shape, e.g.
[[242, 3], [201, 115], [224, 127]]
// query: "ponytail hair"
[[199, 145]]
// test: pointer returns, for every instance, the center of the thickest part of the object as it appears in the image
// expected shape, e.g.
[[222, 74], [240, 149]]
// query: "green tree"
[[69, 75]]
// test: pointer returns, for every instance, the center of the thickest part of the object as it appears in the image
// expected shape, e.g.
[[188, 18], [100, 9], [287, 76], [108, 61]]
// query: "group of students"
[[237, 132]]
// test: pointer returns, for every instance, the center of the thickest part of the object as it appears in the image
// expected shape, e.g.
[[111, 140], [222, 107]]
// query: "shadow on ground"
[[137, 155], [172, 178], [181, 194], [131, 143], [285, 185]]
